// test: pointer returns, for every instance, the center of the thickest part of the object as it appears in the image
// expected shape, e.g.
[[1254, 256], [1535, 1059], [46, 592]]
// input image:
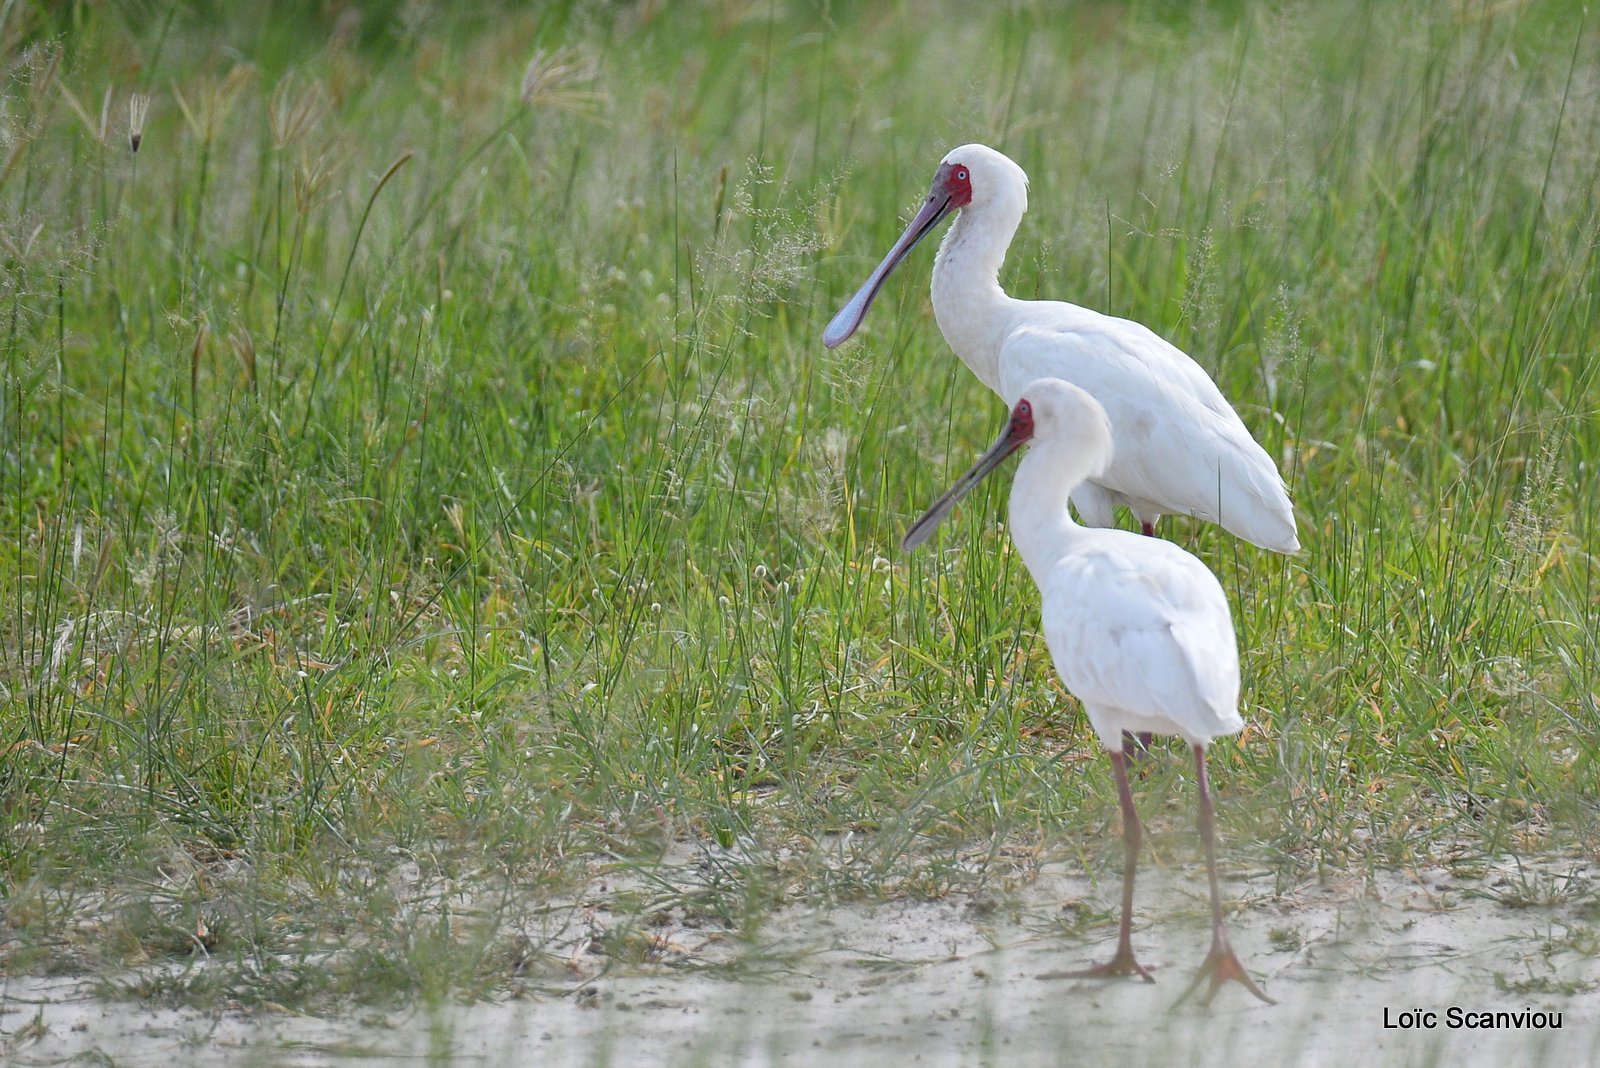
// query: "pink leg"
[[1123, 963], [1220, 964], [1148, 529]]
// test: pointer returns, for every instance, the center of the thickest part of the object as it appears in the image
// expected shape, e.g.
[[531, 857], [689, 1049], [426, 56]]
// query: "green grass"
[[406, 486]]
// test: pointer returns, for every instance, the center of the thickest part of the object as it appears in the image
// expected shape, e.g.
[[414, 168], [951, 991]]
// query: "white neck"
[[971, 308], [1041, 526]]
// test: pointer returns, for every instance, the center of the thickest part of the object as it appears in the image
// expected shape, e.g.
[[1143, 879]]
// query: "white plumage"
[[1180, 447], [1138, 628], [1142, 639]]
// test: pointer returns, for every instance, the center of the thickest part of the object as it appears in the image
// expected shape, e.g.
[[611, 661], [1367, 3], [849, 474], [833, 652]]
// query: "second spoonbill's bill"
[[1138, 629], [1180, 447]]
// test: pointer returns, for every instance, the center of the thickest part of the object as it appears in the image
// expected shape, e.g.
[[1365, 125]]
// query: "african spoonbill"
[[1139, 629]]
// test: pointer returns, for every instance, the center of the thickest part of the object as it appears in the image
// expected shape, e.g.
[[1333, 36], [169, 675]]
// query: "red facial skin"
[[954, 181], [1021, 422]]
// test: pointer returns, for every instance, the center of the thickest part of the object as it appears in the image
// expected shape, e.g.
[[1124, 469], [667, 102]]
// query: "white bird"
[[1181, 448], [1139, 629]]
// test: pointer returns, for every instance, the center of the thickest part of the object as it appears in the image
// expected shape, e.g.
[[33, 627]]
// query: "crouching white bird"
[[1181, 448], [1138, 628]]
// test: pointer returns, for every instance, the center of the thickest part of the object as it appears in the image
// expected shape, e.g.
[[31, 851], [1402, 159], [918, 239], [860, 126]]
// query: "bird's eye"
[[961, 174], [1024, 410]]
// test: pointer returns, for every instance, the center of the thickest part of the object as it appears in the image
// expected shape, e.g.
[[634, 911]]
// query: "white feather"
[[1138, 628], [1181, 448], [1140, 633]]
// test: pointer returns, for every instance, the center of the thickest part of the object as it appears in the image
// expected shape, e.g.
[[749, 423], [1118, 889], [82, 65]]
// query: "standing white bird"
[[1181, 448], [1139, 629]]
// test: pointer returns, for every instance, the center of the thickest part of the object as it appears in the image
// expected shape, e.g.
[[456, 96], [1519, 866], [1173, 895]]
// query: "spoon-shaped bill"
[[935, 208], [1009, 442]]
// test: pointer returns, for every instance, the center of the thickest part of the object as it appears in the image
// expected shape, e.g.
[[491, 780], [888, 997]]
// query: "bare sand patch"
[[975, 979]]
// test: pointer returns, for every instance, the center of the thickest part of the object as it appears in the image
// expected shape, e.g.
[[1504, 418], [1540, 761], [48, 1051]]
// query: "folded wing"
[[1179, 445]]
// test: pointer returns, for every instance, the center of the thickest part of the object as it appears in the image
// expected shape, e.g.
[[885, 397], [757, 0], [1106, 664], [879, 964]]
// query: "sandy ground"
[[965, 981]]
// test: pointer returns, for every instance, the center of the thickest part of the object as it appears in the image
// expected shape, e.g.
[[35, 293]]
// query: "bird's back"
[[1180, 447], [1140, 632]]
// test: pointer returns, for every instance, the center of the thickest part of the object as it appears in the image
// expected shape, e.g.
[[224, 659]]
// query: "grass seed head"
[[294, 110], [215, 103], [311, 177], [97, 128], [138, 109], [552, 78], [244, 347]]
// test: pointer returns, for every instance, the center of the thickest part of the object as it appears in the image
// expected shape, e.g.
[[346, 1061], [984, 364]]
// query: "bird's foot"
[[1221, 966], [1122, 964]]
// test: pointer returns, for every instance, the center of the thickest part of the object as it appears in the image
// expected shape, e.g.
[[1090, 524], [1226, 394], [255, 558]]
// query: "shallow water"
[[970, 981]]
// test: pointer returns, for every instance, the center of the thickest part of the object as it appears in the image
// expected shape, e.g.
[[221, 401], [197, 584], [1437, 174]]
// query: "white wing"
[[1179, 445], [1141, 634]]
